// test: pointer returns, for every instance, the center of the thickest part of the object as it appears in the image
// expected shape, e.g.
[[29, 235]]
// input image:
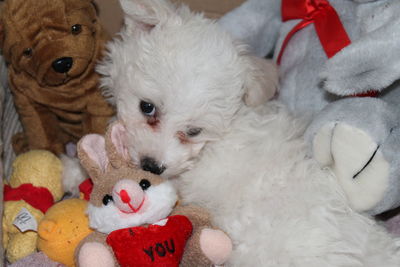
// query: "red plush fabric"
[[38, 197], [329, 28], [86, 188], [154, 245]]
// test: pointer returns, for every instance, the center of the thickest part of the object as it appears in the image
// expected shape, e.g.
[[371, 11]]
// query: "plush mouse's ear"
[[92, 154], [116, 145], [143, 15], [261, 81]]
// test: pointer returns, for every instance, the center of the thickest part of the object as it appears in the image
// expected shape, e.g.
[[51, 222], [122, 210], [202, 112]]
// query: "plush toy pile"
[[329, 52], [34, 186], [164, 232], [347, 85], [51, 48], [34, 218]]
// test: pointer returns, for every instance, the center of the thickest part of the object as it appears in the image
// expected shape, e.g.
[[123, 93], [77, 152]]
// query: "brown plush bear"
[[51, 48]]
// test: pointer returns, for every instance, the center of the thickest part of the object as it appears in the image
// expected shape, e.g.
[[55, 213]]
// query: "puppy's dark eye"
[[107, 199], [145, 184], [28, 52], [76, 29], [192, 132], [148, 109]]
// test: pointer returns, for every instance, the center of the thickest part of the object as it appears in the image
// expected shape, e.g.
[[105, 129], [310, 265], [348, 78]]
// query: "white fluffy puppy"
[[178, 81]]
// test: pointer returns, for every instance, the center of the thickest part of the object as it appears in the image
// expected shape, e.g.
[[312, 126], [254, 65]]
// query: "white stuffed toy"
[[328, 52]]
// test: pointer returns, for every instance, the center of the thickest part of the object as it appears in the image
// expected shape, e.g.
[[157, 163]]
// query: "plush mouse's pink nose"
[[128, 196], [124, 196]]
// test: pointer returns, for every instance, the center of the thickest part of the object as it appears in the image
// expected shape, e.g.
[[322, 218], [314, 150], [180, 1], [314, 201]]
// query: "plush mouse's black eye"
[[147, 108], [144, 184], [76, 29], [27, 52], [107, 199]]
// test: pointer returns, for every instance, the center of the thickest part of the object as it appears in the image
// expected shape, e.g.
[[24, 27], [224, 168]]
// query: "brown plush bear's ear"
[[93, 156], [143, 15], [116, 145], [96, 7]]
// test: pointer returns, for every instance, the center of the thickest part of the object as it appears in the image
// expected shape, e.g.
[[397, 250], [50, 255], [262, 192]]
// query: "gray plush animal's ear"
[[92, 154], [144, 15], [261, 81], [116, 145]]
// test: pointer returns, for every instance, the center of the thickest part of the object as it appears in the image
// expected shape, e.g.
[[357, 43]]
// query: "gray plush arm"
[[371, 62]]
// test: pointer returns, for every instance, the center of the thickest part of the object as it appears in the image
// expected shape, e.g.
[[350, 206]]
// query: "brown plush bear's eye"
[[27, 52], [76, 29], [107, 199]]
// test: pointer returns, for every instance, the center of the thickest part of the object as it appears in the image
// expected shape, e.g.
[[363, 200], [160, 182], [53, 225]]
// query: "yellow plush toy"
[[62, 228], [35, 184]]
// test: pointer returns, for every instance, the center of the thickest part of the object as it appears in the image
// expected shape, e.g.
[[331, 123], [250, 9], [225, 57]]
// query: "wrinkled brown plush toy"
[[135, 215], [51, 47]]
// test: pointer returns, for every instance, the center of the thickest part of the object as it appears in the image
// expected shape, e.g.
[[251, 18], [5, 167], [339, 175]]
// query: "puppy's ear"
[[144, 15], [261, 81], [116, 145], [93, 156]]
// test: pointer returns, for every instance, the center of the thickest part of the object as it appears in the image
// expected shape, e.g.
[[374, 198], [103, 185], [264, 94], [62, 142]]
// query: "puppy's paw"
[[216, 245], [262, 81]]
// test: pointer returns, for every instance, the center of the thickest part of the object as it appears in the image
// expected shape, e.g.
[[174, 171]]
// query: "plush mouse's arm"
[[207, 245], [93, 250], [256, 22], [197, 215], [371, 62]]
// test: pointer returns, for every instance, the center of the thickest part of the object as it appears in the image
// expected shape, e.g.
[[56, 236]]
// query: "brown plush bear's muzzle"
[[56, 64]]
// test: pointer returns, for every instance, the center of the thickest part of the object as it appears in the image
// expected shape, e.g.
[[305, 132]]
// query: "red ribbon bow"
[[38, 197], [329, 28]]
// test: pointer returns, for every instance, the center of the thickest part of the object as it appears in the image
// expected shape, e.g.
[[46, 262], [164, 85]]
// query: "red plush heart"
[[154, 245]]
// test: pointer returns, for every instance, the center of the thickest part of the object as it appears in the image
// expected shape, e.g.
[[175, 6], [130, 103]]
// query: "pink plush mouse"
[[136, 216]]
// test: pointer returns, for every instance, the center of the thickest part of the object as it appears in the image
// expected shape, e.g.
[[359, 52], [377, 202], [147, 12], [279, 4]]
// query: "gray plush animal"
[[358, 138]]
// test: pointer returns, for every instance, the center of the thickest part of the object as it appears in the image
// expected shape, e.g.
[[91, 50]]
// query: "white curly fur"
[[248, 166]]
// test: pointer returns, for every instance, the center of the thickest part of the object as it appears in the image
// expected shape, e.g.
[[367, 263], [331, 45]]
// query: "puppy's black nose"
[[62, 65], [151, 165]]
